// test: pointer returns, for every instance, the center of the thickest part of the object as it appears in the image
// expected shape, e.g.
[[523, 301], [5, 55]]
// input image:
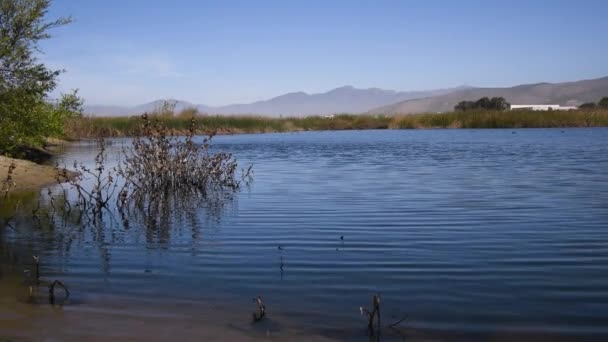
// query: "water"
[[463, 231]]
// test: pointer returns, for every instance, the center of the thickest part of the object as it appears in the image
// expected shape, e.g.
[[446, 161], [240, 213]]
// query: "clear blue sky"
[[128, 52]]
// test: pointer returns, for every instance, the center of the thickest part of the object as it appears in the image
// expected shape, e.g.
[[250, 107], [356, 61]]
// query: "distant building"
[[542, 107]]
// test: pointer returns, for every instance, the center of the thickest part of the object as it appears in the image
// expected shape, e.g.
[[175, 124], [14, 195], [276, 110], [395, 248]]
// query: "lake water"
[[462, 231]]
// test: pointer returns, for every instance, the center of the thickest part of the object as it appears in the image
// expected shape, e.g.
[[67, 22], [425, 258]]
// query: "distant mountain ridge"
[[565, 93], [139, 109], [345, 99], [352, 100]]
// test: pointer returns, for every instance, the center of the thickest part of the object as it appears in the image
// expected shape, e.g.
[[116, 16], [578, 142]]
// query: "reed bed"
[[95, 127], [503, 119]]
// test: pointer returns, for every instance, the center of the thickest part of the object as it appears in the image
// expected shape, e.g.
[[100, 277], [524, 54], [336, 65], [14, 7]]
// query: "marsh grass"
[[94, 127], [500, 119]]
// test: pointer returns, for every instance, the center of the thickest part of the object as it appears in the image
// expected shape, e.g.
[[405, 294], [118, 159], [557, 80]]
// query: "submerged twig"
[[52, 286], [37, 269], [52, 291], [372, 315], [396, 323], [261, 309]]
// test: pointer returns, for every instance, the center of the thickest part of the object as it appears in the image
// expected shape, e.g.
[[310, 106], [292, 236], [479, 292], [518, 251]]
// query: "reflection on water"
[[466, 231]]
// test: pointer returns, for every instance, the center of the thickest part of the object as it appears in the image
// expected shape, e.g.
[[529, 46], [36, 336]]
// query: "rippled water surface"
[[460, 230]]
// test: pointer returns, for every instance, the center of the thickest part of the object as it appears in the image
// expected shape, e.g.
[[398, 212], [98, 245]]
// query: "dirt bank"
[[27, 175]]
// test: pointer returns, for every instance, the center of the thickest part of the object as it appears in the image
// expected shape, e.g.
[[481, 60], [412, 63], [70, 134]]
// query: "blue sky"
[[127, 52]]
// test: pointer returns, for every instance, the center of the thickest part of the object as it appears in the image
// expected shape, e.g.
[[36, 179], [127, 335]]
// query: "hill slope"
[[567, 94], [345, 99]]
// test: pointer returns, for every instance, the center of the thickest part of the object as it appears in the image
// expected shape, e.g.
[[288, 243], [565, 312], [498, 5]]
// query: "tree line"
[[499, 103], [603, 103], [495, 103]]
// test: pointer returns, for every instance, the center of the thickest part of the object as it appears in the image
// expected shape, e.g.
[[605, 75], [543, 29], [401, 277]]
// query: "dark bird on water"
[[280, 248], [342, 237]]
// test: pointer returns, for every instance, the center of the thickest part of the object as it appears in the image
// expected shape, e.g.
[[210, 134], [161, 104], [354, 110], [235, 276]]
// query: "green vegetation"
[[27, 115], [587, 105], [495, 103], [602, 103], [509, 119], [91, 127]]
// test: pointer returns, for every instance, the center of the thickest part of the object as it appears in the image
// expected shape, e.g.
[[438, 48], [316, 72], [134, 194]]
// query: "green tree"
[[499, 103], [587, 105], [483, 103], [26, 114], [495, 103], [603, 102], [464, 106], [70, 105]]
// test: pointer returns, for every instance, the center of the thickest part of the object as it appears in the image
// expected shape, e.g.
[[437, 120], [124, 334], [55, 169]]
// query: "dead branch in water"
[[52, 291], [261, 309], [372, 315], [35, 283], [8, 183], [396, 323], [37, 269]]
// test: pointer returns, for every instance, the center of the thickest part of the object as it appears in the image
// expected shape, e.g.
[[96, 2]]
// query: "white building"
[[542, 107]]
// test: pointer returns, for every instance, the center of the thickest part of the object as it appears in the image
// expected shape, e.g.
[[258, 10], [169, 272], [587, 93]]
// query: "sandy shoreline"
[[103, 318], [27, 175]]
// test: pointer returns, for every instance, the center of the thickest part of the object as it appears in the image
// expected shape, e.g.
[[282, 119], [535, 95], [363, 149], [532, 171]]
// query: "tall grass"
[[89, 127], [508, 119]]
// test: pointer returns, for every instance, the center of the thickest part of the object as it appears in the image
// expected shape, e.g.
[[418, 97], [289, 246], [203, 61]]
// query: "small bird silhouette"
[[280, 248], [342, 237]]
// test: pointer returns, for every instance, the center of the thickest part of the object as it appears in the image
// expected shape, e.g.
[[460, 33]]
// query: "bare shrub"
[[158, 164], [96, 197], [159, 174]]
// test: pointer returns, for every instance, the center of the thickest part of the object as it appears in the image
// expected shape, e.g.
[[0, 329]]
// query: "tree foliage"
[[495, 103], [26, 114], [603, 102], [587, 105]]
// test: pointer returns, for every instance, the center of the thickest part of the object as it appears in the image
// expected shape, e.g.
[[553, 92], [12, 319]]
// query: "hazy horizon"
[[219, 53]]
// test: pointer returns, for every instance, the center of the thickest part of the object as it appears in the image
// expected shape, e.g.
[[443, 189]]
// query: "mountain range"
[[566, 94], [345, 99], [348, 99]]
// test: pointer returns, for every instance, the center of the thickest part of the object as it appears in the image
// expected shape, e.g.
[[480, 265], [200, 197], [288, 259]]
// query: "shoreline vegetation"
[[88, 127], [30, 176]]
